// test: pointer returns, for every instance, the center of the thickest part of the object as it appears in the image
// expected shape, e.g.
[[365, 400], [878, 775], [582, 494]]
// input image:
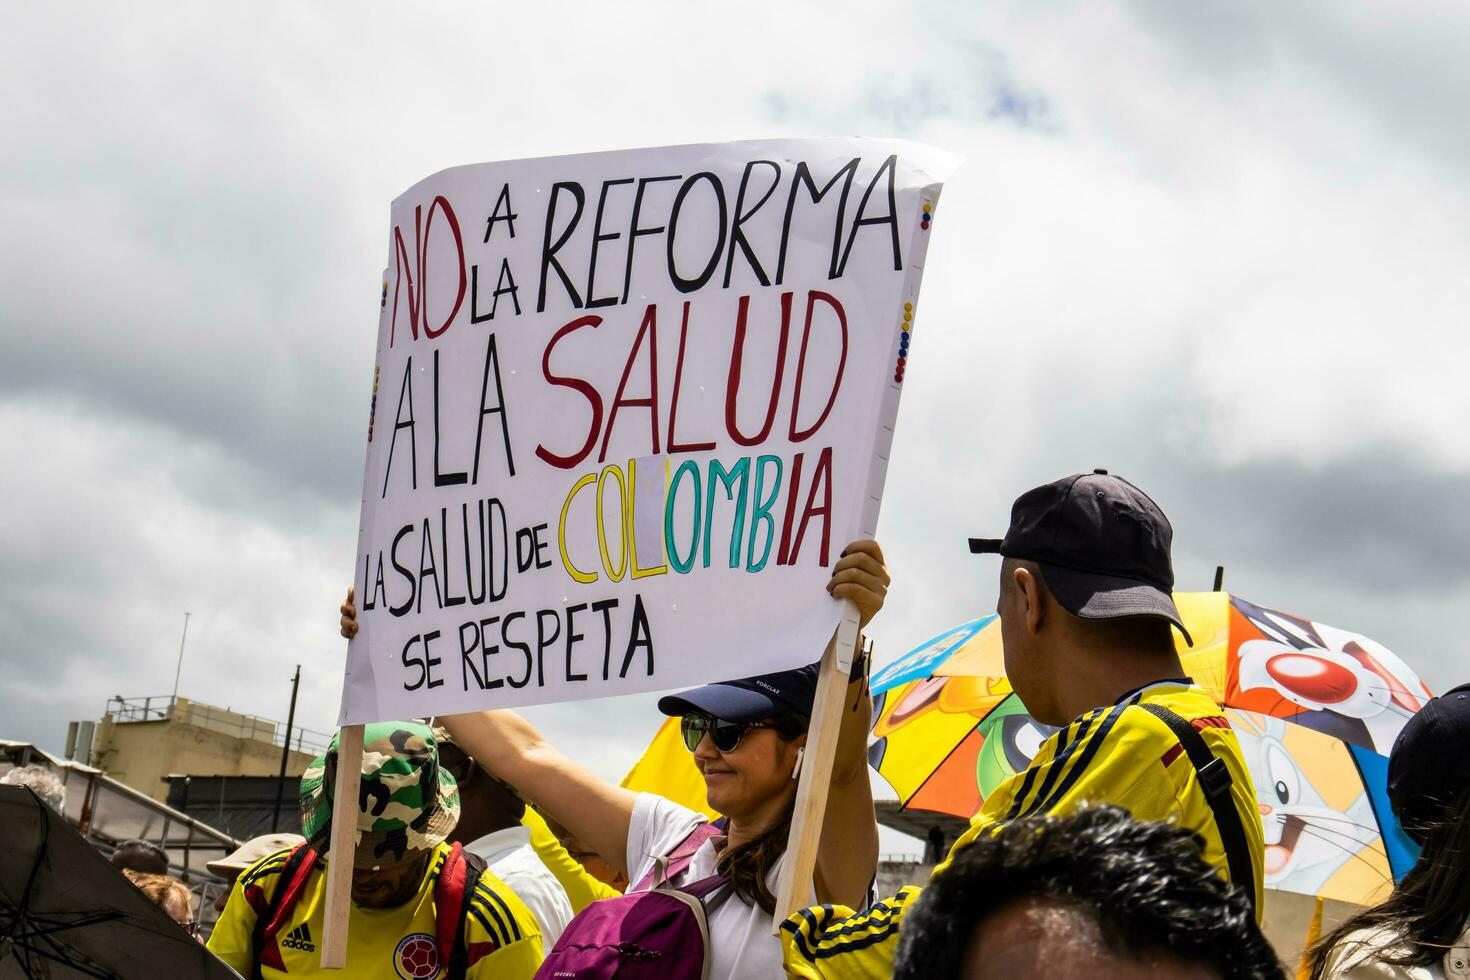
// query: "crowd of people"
[[1131, 845]]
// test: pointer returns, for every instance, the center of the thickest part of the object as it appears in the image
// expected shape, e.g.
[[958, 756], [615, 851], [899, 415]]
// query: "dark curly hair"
[[1145, 884]]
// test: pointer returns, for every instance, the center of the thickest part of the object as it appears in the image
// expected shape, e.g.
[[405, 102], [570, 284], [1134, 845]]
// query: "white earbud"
[[796, 770]]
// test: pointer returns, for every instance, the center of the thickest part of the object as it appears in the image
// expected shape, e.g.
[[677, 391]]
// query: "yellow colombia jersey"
[[581, 887], [503, 940], [1118, 755]]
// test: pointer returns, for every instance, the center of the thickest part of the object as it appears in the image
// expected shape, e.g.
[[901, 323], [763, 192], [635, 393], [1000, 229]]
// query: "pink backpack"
[[654, 931]]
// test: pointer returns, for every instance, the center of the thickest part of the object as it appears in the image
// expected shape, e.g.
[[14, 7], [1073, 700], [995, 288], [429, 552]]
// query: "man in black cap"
[[1086, 615]]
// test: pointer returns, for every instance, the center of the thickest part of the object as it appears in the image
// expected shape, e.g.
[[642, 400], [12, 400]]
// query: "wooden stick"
[[799, 867], [342, 848]]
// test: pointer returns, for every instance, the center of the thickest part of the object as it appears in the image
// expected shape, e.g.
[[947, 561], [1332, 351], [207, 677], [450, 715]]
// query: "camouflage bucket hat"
[[407, 803]]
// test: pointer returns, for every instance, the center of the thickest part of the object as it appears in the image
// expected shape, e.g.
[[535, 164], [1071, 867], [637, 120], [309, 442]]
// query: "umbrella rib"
[[935, 771], [40, 927], [59, 955], [45, 828]]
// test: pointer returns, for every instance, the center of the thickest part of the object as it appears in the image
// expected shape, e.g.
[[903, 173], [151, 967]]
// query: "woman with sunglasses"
[[747, 737]]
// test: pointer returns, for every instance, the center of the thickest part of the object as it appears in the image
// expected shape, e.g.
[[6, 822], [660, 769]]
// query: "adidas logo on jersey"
[[299, 938]]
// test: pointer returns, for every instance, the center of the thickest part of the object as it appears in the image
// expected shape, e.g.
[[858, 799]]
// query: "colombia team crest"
[[417, 957]]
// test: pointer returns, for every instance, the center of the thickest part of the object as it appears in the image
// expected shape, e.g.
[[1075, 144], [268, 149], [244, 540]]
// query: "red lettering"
[[576, 384], [674, 445], [440, 203], [806, 334], [786, 525], [418, 302], [737, 357], [824, 469], [649, 328], [402, 261]]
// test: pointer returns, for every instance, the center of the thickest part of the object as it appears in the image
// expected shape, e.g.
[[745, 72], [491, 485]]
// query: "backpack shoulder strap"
[[678, 860], [1214, 779], [454, 891], [289, 885]]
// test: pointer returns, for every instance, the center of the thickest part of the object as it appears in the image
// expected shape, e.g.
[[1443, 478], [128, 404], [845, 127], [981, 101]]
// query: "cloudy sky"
[[1219, 249]]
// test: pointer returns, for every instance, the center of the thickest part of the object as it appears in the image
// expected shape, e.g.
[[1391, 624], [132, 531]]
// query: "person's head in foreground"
[[748, 737], [42, 781], [142, 856], [169, 894], [407, 805], [1086, 586], [230, 866], [1097, 895], [1425, 923]]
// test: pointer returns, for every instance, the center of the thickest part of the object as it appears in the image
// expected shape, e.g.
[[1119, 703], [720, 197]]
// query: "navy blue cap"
[[1426, 770], [750, 698]]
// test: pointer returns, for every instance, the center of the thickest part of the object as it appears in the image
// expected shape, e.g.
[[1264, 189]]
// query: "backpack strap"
[[677, 861], [1214, 779], [289, 885], [454, 892]]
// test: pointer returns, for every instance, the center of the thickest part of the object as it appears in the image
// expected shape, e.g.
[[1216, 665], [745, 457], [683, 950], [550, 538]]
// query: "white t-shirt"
[[1353, 959], [511, 858], [742, 946]]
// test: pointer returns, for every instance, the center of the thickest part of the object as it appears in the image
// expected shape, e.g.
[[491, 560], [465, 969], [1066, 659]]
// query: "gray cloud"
[[1405, 69], [1203, 248]]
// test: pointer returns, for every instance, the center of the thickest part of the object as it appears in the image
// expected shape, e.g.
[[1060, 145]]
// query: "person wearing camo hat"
[[408, 804]]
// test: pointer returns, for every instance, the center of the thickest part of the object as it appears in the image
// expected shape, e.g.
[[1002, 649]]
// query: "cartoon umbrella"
[[1316, 709]]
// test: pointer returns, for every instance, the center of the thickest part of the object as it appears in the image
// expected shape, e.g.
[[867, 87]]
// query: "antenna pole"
[[180, 668]]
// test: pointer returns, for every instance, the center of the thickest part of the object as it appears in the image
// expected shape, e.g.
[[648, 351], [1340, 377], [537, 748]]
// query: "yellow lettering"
[[561, 530], [623, 524]]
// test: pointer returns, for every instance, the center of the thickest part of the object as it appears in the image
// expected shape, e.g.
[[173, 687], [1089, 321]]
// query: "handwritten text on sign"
[[627, 409]]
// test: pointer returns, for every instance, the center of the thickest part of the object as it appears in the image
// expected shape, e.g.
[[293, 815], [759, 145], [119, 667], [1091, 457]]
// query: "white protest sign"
[[628, 408]]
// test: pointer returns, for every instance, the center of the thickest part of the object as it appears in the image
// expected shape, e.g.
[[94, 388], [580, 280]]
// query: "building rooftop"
[[164, 708]]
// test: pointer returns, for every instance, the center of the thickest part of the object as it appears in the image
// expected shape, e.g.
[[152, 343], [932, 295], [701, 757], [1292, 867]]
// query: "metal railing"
[[166, 708], [139, 709]]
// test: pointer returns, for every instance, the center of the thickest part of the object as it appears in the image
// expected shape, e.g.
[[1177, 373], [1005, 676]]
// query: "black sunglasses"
[[726, 735]]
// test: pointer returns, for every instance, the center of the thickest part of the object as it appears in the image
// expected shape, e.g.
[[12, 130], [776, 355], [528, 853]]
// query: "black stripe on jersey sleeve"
[[853, 945], [485, 894], [1094, 742], [1025, 790], [1066, 745], [496, 933], [490, 904], [272, 866]]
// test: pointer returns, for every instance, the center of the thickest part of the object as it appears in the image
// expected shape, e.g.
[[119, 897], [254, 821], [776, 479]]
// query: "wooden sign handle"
[[799, 867], [342, 847]]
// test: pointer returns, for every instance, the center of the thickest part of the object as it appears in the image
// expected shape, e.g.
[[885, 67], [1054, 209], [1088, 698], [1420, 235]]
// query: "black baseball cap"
[[1102, 544], [750, 698], [1425, 773]]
